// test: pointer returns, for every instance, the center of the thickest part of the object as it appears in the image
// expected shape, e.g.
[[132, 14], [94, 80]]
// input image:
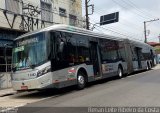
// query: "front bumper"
[[33, 84]]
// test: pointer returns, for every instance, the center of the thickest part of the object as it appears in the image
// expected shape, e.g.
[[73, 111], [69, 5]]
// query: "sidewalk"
[[157, 67], [5, 92]]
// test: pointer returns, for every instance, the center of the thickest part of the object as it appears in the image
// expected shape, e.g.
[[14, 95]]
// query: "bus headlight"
[[43, 71]]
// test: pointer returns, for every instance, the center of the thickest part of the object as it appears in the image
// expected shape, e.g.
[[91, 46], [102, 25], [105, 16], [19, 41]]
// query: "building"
[[156, 46], [157, 50], [20, 16]]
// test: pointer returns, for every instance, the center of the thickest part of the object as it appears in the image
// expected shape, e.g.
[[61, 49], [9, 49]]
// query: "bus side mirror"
[[61, 47]]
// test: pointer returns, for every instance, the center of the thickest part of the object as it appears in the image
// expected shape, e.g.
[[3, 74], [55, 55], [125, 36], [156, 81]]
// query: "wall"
[[5, 80], [73, 7]]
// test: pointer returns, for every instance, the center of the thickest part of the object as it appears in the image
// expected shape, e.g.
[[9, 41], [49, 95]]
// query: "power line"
[[126, 21], [142, 16], [129, 26], [115, 31], [109, 30], [100, 13], [141, 9], [128, 3]]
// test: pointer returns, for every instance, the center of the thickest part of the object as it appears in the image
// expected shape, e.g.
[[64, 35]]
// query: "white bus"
[[61, 56]]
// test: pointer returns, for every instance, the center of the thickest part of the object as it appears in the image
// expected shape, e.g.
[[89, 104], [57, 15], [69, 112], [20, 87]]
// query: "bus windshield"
[[29, 52]]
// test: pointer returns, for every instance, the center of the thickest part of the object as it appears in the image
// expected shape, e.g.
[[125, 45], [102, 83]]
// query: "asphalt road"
[[138, 90]]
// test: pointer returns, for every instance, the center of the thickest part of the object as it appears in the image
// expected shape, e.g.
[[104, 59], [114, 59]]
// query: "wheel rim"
[[81, 79], [119, 72], [147, 67]]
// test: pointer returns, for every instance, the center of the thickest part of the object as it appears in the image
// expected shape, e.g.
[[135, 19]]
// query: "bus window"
[[71, 51], [109, 50], [83, 49], [121, 51]]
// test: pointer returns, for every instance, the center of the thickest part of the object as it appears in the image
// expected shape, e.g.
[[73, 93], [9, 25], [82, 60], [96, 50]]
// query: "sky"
[[132, 14]]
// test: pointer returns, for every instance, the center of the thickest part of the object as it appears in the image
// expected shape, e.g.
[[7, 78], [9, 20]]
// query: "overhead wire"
[[125, 7], [113, 28], [141, 14], [146, 12], [137, 9]]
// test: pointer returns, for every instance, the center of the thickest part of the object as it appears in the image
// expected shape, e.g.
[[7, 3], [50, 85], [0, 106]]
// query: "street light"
[[145, 31]]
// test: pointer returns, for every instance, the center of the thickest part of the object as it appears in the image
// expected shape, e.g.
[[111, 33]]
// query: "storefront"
[[5, 55], [157, 50], [6, 42]]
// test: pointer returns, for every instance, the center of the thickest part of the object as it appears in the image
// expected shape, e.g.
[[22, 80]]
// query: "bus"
[[60, 55]]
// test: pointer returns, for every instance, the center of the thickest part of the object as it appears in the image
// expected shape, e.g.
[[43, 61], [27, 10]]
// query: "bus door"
[[138, 52], [95, 58]]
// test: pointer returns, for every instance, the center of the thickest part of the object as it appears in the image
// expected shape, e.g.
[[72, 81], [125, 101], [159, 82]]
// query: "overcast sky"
[[133, 13]]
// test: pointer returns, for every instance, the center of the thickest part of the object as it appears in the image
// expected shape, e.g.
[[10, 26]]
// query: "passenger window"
[[109, 50]]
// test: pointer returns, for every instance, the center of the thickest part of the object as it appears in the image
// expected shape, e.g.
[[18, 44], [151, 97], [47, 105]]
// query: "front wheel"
[[81, 80]]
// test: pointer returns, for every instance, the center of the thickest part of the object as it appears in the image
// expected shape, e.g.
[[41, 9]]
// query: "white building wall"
[[73, 7]]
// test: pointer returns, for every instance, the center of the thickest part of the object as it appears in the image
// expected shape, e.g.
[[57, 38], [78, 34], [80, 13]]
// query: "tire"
[[120, 72], [148, 67], [81, 81], [151, 65]]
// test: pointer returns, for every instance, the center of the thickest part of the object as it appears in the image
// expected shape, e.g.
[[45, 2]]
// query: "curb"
[[4, 93], [156, 67]]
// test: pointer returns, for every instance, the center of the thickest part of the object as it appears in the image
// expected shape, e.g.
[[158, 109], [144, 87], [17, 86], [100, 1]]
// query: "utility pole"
[[145, 31], [87, 16]]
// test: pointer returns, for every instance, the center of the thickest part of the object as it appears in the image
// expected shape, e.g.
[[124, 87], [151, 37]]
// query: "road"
[[141, 89]]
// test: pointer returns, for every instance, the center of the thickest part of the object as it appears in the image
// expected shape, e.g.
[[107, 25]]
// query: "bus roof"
[[67, 28]]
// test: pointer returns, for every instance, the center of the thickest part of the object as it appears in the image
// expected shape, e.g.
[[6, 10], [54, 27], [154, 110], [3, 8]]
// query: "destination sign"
[[28, 41]]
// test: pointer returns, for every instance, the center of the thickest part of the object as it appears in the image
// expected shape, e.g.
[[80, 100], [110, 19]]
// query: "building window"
[[46, 11], [72, 20], [12, 5], [62, 12], [5, 59]]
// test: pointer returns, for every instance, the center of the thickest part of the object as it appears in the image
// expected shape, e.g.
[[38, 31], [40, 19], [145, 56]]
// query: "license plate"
[[24, 87]]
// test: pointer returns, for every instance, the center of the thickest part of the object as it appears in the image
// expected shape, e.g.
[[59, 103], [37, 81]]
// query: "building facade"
[[20, 16]]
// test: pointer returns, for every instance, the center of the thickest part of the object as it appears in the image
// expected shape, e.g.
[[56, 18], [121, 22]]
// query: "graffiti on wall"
[[29, 20]]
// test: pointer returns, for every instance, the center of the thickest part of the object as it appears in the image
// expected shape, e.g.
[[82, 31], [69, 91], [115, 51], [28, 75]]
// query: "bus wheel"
[[120, 72], [148, 66], [81, 81]]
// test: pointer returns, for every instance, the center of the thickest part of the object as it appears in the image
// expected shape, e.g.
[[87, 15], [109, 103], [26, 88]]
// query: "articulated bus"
[[59, 56]]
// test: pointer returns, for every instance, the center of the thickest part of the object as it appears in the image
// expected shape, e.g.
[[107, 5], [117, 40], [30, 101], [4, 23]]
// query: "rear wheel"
[[151, 65], [81, 80], [120, 72], [148, 67]]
